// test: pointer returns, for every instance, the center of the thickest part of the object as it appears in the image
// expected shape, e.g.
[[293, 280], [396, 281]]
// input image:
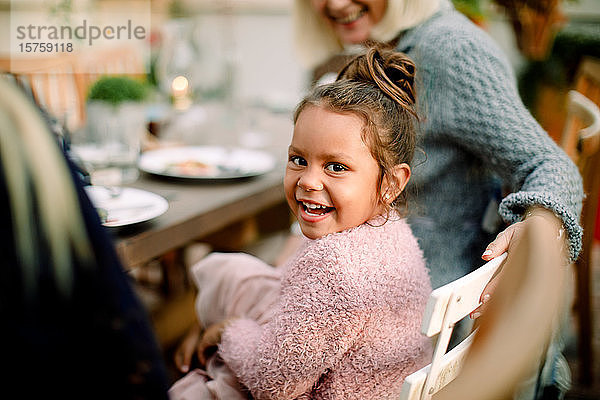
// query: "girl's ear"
[[391, 188]]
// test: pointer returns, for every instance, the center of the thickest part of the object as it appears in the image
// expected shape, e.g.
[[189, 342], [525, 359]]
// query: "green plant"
[[118, 89], [177, 9], [471, 8]]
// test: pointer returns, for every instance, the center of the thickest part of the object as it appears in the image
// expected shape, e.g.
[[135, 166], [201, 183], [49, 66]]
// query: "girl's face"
[[331, 177], [352, 20]]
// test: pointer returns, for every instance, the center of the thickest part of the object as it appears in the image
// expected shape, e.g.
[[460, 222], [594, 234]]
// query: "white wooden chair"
[[513, 332], [582, 127], [446, 306]]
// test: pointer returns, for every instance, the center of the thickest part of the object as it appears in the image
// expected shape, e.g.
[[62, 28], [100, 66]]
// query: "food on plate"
[[191, 168]]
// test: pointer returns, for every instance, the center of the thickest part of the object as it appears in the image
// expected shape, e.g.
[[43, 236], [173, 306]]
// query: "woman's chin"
[[353, 38], [353, 35]]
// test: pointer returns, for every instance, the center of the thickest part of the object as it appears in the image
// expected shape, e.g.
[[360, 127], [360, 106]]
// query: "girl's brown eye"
[[297, 160], [336, 167]]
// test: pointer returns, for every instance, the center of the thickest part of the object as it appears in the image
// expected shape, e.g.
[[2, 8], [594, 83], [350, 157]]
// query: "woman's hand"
[[186, 349], [508, 237]]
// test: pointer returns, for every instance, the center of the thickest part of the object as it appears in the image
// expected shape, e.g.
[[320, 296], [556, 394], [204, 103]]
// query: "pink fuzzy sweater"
[[347, 324]]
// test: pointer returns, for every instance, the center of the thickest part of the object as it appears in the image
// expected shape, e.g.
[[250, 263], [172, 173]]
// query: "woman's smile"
[[349, 18], [352, 20]]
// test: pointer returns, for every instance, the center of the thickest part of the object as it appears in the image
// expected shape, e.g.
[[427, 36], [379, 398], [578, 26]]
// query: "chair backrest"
[[52, 82], [581, 141], [518, 322], [581, 133], [447, 305], [60, 84]]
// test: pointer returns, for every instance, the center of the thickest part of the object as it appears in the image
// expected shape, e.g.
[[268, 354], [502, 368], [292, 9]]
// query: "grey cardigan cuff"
[[513, 207]]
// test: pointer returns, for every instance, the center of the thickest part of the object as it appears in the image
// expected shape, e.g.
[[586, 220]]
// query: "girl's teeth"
[[314, 209]]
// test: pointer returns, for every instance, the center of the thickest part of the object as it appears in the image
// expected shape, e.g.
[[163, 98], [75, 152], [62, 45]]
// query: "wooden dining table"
[[217, 213], [196, 210], [199, 208]]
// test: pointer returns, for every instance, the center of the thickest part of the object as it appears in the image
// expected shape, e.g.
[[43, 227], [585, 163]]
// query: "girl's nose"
[[309, 182]]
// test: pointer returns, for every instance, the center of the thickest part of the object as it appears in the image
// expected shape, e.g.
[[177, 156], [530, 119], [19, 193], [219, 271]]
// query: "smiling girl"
[[332, 180], [342, 318]]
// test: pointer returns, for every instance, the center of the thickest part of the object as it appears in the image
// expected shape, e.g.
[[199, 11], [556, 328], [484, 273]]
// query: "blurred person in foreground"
[[487, 167], [72, 326]]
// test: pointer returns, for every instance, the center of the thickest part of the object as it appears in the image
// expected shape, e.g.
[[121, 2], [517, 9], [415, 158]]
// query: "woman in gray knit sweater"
[[477, 136], [478, 139]]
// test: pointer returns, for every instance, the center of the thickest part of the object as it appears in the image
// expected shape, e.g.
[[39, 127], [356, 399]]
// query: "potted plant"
[[116, 123], [117, 89]]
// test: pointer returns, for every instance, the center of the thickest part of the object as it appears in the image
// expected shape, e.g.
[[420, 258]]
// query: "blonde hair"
[[316, 41], [40, 191]]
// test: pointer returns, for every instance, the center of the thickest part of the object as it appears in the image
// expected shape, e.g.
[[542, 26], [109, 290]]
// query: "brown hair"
[[378, 86]]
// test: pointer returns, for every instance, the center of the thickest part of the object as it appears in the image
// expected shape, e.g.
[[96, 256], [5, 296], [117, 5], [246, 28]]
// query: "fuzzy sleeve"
[[317, 322], [475, 102]]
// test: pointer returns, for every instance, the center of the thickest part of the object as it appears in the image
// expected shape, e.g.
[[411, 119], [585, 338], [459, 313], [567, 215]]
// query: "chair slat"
[[446, 306], [468, 288]]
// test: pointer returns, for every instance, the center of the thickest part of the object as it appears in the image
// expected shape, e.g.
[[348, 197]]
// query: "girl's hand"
[[210, 340], [508, 237], [185, 351]]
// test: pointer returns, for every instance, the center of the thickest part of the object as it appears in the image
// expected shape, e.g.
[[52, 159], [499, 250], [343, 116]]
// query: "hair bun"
[[393, 72]]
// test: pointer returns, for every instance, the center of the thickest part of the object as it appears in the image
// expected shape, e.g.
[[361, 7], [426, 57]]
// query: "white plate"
[[206, 162], [125, 206]]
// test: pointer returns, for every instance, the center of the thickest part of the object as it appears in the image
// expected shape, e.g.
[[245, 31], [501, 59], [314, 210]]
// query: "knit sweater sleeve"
[[473, 101], [317, 321]]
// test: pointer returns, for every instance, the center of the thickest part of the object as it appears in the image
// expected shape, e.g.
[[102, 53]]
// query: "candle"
[[180, 88]]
